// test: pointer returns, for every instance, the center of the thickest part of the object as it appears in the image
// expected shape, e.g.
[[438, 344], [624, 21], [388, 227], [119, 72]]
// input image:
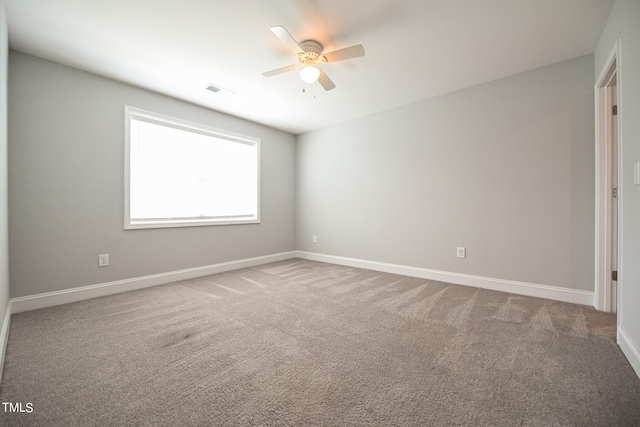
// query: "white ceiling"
[[415, 49]]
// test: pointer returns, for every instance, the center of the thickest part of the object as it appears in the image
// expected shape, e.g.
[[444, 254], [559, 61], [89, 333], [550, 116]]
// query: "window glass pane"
[[189, 175]]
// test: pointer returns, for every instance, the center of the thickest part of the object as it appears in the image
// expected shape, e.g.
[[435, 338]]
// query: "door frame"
[[603, 194]]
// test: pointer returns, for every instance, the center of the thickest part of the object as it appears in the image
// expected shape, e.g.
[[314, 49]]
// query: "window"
[[180, 174]]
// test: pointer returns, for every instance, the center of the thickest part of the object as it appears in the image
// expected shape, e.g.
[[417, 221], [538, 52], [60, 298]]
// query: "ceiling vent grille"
[[219, 90]]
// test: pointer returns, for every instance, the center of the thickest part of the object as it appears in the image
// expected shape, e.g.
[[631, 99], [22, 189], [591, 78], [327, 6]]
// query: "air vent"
[[219, 90]]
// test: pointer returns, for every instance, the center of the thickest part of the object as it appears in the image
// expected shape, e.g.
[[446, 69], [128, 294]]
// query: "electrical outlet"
[[462, 252], [103, 260], [314, 239]]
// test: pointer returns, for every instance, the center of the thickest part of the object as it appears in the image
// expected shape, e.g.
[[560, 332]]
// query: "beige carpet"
[[306, 343]]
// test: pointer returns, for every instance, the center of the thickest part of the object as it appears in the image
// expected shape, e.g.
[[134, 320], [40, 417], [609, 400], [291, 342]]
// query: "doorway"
[[608, 191]]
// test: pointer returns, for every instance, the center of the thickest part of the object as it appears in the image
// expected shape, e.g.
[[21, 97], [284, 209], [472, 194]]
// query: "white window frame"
[[133, 113]]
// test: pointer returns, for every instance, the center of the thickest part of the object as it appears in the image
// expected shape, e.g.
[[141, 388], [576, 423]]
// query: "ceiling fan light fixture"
[[310, 53], [309, 74]]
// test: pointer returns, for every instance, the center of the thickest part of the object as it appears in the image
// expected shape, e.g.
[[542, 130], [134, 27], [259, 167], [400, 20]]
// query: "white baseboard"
[[34, 302], [4, 336], [630, 349], [511, 286]]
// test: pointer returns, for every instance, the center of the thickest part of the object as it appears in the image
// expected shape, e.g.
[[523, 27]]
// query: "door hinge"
[[615, 110], [615, 193], [614, 275]]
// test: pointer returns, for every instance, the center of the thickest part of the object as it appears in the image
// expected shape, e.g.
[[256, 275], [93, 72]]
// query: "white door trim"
[[603, 190]]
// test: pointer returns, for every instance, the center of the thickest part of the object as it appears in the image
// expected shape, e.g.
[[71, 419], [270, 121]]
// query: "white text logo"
[[18, 407]]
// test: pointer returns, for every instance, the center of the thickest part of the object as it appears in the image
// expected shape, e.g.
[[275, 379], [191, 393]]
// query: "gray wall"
[[66, 185], [504, 169], [624, 24], [4, 236]]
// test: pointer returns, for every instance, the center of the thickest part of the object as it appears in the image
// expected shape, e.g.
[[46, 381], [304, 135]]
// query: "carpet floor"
[[299, 343]]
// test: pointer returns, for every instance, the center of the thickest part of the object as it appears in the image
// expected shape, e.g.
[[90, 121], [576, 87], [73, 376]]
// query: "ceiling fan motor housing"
[[312, 53], [311, 46]]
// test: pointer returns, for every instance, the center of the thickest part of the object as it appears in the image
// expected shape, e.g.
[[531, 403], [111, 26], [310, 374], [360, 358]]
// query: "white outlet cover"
[[103, 260]]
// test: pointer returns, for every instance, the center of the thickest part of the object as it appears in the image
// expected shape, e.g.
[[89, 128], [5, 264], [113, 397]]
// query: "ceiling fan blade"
[[287, 39], [281, 70], [346, 53], [325, 81]]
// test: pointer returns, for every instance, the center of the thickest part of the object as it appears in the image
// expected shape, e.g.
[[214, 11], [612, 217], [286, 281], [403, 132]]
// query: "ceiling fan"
[[310, 56]]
